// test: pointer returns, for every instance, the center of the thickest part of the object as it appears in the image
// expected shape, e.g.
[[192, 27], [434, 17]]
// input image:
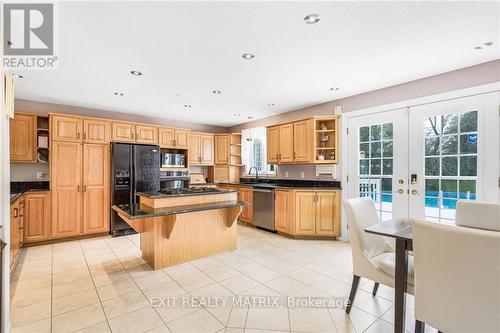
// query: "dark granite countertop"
[[19, 188], [288, 184], [159, 195], [139, 211]]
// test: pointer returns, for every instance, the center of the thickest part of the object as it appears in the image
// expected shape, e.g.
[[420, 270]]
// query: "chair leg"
[[354, 288], [419, 326], [375, 288]]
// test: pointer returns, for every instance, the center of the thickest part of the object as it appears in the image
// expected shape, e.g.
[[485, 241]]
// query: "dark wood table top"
[[396, 228]]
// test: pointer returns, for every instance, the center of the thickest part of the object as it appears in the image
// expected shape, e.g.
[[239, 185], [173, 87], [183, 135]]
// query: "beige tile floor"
[[103, 285]]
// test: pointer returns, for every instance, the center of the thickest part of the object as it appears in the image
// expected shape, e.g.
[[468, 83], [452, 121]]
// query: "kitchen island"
[[180, 225]]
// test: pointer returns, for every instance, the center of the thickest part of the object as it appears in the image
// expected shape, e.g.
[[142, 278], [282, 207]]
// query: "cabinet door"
[[246, 194], [96, 131], [282, 210], [221, 173], [194, 149], [96, 201], [122, 132], [327, 210], [22, 138], [181, 139], [303, 150], [273, 144], [37, 217], [166, 137], [305, 213], [207, 149], [221, 149], [286, 143], [66, 128], [14, 232], [146, 134], [65, 180]]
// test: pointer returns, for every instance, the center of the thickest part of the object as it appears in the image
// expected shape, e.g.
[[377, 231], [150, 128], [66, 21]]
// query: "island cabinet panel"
[[123, 132], [246, 194], [305, 213], [65, 128], [66, 166], [146, 134], [286, 143], [303, 146], [96, 186], [326, 211], [194, 149], [37, 217], [207, 149], [222, 149], [22, 138], [273, 144], [283, 210], [96, 131]]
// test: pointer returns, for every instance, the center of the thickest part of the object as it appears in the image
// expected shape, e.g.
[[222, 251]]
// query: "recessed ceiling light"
[[187, 105], [136, 73], [118, 94], [247, 56], [482, 46], [312, 19], [334, 89], [17, 76], [270, 104], [236, 114], [217, 92], [250, 117]]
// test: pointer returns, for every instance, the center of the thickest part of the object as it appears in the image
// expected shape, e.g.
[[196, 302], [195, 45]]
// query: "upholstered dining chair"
[[373, 257], [479, 215], [457, 278]]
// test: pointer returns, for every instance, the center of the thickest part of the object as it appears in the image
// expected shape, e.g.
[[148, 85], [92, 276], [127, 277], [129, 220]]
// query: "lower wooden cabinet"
[[16, 229], [307, 213], [245, 194], [37, 216]]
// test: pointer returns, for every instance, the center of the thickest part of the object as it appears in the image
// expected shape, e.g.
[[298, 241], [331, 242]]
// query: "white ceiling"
[[188, 49]]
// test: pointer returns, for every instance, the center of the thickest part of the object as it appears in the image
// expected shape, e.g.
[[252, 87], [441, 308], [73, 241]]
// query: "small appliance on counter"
[[198, 180]]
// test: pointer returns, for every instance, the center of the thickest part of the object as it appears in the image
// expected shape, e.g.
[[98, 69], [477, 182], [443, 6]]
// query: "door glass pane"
[[450, 166], [375, 172]]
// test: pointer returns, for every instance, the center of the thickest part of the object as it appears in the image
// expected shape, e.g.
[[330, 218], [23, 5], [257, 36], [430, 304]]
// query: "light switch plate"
[[302, 174], [41, 175], [286, 174]]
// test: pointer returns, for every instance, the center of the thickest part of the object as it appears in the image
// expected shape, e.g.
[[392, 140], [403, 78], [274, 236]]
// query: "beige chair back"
[[478, 215], [457, 277]]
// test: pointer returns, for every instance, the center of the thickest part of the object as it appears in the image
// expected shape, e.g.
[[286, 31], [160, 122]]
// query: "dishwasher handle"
[[262, 191]]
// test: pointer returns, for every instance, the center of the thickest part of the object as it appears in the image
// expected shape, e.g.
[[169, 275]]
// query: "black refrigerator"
[[134, 168]]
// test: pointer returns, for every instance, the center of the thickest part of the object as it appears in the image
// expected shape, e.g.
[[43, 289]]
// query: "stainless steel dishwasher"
[[263, 208]]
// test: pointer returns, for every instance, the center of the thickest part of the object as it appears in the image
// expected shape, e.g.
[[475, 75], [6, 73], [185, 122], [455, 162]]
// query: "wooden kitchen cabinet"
[[66, 128], [194, 148], [123, 132], [96, 131], [305, 213], [23, 138], [173, 138], [16, 230], [273, 144], [200, 148], [96, 187], [303, 146], [283, 210], [222, 148], [245, 194], [207, 149], [327, 212], [66, 166], [37, 216], [146, 134]]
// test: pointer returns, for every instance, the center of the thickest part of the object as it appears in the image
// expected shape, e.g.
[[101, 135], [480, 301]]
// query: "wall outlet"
[[302, 174], [41, 175], [286, 174]]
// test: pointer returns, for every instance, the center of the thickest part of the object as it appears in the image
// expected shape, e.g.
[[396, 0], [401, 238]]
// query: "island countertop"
[[139, 211], [160, 195]]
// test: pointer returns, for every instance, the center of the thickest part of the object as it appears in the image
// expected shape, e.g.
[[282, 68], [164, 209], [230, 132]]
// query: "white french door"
[[419, 161]]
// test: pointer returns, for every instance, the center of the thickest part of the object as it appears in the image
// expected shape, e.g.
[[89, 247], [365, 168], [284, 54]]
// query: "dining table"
[[401, 231]]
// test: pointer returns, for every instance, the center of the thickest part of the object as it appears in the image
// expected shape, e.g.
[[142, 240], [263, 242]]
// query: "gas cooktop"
[[188, 190]]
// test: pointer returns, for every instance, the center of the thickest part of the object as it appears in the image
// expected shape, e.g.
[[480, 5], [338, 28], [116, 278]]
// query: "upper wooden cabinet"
[[122, 131], [23, 138], [222, 148], [200, 148], [96, 130], [173, 138], [66, 128], [311, 140], [146, 134], [37, 216]]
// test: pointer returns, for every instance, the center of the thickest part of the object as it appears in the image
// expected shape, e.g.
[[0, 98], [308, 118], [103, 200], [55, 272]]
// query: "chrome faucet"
[[256, 173]]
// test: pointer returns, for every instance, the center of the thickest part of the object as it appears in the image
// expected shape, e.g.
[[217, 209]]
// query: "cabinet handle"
[[78, 135], [21, 228], [16, 212], [84, 188], [84, 136], [175, 143], [78, 188]]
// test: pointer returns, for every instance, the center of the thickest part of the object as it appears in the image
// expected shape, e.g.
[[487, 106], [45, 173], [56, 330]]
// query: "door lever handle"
[[400, 191]]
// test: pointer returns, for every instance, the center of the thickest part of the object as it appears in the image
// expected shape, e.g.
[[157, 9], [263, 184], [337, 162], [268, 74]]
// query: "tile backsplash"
[[29, 172]]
